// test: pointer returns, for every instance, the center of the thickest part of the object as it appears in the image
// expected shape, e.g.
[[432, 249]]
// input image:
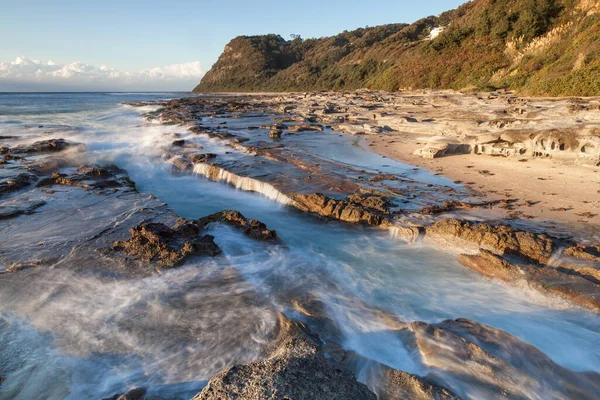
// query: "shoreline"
[[548, 191]]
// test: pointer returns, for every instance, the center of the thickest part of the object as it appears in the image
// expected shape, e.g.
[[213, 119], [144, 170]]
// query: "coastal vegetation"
[[536, 47]]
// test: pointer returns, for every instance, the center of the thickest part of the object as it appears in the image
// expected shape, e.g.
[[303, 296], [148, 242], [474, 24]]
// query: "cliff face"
[[537, 47]]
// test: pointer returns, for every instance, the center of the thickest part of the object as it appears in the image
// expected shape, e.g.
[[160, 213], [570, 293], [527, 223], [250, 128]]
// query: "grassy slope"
[[538, 47]]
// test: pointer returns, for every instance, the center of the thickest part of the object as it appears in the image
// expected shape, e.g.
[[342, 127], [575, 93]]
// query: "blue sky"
[[132, 36]]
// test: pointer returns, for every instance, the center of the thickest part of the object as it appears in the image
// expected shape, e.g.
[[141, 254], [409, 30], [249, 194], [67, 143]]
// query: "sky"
[[80, 45]]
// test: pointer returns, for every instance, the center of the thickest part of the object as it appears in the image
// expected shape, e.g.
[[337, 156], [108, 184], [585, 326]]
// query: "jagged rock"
[[400, 385], [91, 178], [47, 146], [339, 209], [133, 394], [296, 368], [202, 157], [167, 247], [251, 227], [178, 143], [275, 133], [374, 202], [499, 239], [15, 183], [489, 363]]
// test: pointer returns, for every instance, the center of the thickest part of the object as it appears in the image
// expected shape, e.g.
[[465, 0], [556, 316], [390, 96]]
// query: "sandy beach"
[[546, 189]]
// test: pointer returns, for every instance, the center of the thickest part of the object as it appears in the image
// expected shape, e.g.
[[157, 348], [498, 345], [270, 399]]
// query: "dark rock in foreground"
[[133, 394], [167, 247], [251, 227], [91, 177], [47, 146], [16, 183], [295, 369]]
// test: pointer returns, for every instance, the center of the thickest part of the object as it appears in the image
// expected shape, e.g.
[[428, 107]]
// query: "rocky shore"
[[71, 213], [491, 236]]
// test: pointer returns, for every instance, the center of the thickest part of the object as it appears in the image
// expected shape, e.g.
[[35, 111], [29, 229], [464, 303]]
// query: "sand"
[[554, 190]]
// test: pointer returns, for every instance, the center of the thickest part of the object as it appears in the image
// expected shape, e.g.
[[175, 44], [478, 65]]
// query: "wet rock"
[[47, 146], [16, 183], [339, 209], [296, 368], [305, 128], [181, 164], [134, 394], [408, 234], [201, 158], [400, 385], [572, 285], [275, 133], [50, 164], [178, 143], [489, 363], [91, 178], [251, 227], [499, 239], [167, 247], [14, 209], [491, 265], [373, 202]]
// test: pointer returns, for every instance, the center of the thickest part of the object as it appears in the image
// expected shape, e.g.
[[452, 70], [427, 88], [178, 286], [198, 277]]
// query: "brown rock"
[[295, 369], [491, 265], [490, 363], [251, 227], [167, 247], [339, 209], [499, 239]]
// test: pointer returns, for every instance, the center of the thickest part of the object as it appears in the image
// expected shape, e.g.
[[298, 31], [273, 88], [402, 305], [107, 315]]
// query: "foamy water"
[[64, 335]]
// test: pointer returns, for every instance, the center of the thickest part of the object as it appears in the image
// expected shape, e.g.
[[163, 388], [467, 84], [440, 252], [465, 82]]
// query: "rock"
[[167, 247], [499, 239], [408, 234], [491, 265], [91, 178], [573, 285], [432, 151], [400, 385], [251, 227], [339, 209], [14, 209], [295, 369], [16, 183], [181, 164], [202, 157], [373, 202], [134, 394], [305, 128], [489, 363], [392, 384], [275, 133], [178, 143], [47, 146]]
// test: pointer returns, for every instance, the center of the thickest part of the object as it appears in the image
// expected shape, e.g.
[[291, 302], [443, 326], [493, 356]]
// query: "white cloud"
[[29, 74]]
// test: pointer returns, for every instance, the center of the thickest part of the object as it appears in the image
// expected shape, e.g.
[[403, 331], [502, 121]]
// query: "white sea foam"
[[242, 182]]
